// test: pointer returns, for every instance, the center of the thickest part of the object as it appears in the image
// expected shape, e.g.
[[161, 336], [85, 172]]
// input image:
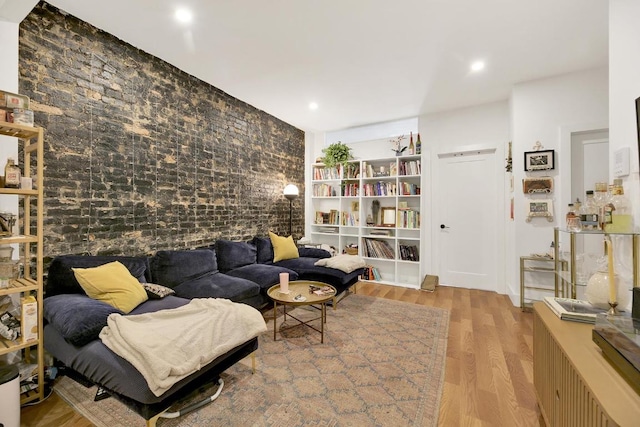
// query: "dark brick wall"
[[140, 156]]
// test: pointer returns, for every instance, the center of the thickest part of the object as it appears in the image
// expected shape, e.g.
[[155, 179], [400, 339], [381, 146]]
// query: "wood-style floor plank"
[[489, 364]]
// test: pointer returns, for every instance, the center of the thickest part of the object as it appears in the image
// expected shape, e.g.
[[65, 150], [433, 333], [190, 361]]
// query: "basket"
[[351, 251]]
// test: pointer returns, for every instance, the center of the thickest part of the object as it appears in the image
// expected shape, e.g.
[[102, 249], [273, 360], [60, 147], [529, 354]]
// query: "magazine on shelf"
[[573, 309]]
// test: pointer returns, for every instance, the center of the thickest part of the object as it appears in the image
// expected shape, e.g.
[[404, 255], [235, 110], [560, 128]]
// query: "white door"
[[468, 212]]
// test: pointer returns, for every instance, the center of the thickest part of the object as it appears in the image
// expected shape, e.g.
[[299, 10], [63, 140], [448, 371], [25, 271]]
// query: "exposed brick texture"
[[140, 156]]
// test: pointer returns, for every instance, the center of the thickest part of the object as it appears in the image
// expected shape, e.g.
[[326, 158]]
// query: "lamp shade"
[[290, 191]]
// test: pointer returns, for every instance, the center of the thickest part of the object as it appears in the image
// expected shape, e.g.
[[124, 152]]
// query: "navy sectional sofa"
[[239, 271]]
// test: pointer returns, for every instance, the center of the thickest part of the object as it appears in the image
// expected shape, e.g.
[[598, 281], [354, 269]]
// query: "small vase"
[[597, 292]]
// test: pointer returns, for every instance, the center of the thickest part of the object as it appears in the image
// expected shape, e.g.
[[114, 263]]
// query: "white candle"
[[284, 283], [612, 278]]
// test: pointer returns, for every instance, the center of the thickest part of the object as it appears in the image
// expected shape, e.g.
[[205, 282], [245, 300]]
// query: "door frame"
[[498, 150], [564, 164]]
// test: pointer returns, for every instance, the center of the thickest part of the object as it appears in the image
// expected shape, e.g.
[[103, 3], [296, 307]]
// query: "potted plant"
[[336, 154]]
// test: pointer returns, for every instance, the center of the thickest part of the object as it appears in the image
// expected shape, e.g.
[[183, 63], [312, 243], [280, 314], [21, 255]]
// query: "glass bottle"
[[589, 213], [418, 145], [601, 197], [573, 220], [412, 149], [621, 218], [12, 174]]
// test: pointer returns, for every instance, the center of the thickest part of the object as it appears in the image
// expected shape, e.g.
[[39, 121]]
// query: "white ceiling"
[[362, 61]]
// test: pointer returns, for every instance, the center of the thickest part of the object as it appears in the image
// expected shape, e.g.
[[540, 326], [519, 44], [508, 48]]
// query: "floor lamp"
[[290, 192]]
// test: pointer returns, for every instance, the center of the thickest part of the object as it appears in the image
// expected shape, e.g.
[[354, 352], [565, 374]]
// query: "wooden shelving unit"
[[30, 241]]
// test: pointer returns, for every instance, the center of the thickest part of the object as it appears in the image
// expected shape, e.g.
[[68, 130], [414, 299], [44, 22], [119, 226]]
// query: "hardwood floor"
[[489, 371]]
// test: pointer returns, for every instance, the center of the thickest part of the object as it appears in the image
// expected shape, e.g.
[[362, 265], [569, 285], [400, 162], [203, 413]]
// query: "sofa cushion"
[[307, 270], [61, 280], [343, 262], [262, 274], [171, 268], [218, 285], [165, 303], [283, 247], [265, 250], [78, 318], [314, 253], [113, 284], [232, 255]]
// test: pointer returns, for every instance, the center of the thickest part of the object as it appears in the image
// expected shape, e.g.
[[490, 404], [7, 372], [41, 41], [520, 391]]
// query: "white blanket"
[[168, 345]]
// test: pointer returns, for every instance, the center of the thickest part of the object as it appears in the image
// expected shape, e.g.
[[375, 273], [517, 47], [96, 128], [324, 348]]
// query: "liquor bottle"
[[601, 197], [12, 174], [589, 213], [573, 220], [412, 149], [418, 145], [621, 218]]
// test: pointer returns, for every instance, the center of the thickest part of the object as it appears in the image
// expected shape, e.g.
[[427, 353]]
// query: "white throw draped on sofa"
[[169, 345]]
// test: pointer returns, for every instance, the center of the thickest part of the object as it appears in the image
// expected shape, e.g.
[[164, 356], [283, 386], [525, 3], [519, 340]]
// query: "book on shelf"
[[378, 249], [574, 310], [323, 173], [371, 273], [409, 253]]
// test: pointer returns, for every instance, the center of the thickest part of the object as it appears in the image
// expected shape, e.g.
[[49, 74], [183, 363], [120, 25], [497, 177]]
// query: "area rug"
[[382, 364]]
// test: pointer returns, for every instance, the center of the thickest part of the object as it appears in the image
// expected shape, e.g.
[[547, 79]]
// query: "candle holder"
[[613, 311]]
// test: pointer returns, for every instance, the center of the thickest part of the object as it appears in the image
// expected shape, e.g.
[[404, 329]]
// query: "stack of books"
[[574, 310]]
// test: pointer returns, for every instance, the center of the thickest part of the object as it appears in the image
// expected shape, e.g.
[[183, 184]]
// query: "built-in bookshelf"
[[374, 204]]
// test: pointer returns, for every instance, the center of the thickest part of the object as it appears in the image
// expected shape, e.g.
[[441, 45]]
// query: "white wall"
[[624, 88], [548, 110]]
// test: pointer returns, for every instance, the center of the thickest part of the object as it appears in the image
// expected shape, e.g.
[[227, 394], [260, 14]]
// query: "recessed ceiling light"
[[183, 15], [313, 105], [477, 66]]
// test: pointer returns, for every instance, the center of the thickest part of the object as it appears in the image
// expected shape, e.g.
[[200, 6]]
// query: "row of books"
[[411, 167], [350, 220], [371, 273], [351, 171], [351, 190], [408, 218], [375, 248], [323, 190], [380, 188], [409, 253], [331, 217], [408, 189], [325, 173]]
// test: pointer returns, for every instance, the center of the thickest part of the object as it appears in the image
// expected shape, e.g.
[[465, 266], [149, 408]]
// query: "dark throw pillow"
[[78, 318], [231, 255], [265, 250]]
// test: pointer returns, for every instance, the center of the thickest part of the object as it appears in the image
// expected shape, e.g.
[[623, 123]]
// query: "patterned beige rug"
[[382, 364]]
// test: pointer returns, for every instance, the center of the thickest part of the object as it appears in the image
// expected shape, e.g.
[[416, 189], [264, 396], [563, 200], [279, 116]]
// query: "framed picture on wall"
[[540, 207], [544, 184], [539, 160]]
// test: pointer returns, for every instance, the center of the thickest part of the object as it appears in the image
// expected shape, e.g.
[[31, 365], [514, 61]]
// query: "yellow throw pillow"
[[283, 247], [112, 283]]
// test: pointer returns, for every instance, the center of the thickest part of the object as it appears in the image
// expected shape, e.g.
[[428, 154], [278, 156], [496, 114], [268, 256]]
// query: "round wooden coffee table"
[[300, 293]]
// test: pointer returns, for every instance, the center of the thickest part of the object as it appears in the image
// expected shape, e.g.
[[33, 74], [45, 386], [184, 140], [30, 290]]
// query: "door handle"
[[443, 226]]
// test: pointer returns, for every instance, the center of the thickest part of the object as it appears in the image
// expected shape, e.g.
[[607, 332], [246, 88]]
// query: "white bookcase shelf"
[[343, 215]]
